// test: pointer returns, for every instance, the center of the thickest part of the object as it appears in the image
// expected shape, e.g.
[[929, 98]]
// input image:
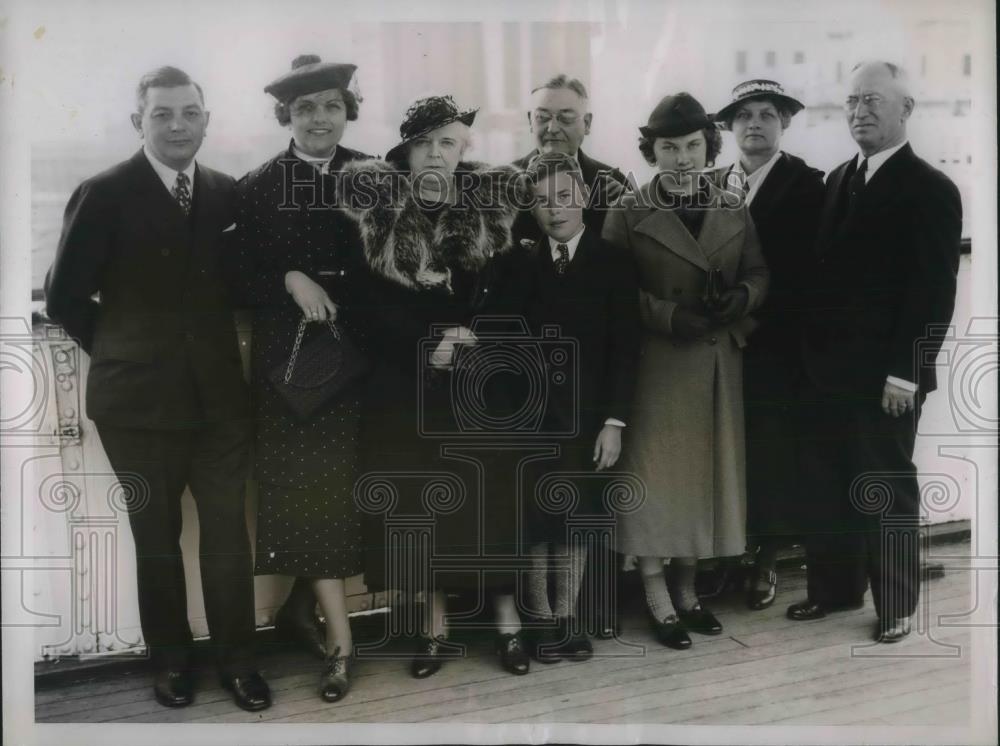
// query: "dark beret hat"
[[676, 115], [308, 75]]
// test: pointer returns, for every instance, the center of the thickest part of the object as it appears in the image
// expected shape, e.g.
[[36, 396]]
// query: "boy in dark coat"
[[582, 284]]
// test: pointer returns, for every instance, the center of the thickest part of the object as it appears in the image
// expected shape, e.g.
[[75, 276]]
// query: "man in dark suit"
[[887, 262], [559, 120], [785, 196], [577, 281], [166, 387]]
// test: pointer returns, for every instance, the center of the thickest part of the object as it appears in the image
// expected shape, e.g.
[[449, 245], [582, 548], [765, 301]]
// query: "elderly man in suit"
[[887, 261], [137, 281], [560, 119], [784, 195]]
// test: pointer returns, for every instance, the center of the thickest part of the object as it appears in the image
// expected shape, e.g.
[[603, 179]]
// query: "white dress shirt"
[[168, 175], [874, 164], [571, 245], [755, 179]]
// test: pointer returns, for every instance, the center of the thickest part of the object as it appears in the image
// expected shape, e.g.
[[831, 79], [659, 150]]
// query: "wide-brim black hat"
[[758, 89], [676, 115], [426, 115], [309, 75]]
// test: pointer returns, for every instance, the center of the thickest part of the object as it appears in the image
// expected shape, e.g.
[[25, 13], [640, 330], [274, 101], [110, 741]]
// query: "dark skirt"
[[307, 522], [439, 511]]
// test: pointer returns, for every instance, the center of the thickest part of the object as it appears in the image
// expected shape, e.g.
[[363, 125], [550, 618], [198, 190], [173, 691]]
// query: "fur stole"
[[405, 246]]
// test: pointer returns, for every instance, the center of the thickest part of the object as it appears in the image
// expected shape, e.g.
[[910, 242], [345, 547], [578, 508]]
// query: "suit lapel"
[[772, 191], [667, 229], [831, 207], [158, 206]]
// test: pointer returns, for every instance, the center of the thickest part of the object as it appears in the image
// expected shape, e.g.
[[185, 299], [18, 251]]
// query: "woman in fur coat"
[[436, 237]]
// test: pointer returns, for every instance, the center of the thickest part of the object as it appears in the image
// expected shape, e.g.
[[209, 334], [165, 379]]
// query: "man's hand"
[[310, 297], [897, 401], [608, 447], [688, 324], [444, 354]]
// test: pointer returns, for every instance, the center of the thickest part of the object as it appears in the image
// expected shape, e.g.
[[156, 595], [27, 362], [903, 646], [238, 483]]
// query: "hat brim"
[[396, 152], [319, 76], [793, 105]]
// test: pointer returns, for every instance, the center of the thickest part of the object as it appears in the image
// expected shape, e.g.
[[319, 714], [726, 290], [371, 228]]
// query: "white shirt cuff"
[[613, 421], [902, 383]]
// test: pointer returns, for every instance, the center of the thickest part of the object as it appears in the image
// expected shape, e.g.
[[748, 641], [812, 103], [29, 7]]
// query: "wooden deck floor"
[[764, 669]]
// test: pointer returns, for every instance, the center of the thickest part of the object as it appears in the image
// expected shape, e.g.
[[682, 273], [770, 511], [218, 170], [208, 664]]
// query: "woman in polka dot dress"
[[295, 254]]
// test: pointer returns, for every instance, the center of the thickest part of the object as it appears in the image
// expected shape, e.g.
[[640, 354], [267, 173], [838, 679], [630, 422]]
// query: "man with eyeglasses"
[[882, 287], [559, 120]]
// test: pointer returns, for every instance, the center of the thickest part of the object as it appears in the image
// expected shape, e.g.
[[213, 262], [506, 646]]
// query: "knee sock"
[[537, 591], [682, 572], [568, 582], [657, 598]]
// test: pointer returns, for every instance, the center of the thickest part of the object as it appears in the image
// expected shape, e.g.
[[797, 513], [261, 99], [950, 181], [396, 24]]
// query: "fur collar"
[[403, 245]]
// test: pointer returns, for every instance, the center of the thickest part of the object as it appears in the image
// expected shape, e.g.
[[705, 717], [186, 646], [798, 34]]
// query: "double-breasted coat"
[[685, 438]]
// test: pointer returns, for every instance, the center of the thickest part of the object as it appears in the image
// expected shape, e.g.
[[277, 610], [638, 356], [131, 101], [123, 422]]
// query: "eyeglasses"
[[564, 118], [870, 100]]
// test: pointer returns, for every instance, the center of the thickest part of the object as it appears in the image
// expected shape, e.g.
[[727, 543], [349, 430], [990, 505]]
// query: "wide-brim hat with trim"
[[309, 74], [676, 115], [756, 89], [425, 115]]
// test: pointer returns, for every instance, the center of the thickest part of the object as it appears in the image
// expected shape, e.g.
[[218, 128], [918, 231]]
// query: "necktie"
[[857, 184], [182, 192], [563, 261]]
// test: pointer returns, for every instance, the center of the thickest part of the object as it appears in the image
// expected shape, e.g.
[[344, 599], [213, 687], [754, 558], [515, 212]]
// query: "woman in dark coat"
[[436, 236], [298, 257], [685, 436], [785, 197]]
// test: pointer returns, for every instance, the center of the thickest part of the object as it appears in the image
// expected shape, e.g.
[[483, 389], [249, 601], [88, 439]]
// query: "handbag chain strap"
[[298, 343]]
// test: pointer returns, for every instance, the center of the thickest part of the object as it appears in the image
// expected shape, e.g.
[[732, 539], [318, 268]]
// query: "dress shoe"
[[429, 657], [513, 655], [671, 632], [542, 641], [893, 630], [573, 643], [304, 631], [335, 681], [173, 688], [250, 692], [808, 609], [700, 620], [757, 599]]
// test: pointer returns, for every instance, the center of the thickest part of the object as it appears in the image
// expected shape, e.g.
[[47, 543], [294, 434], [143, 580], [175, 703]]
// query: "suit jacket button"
[[165, 252], [713, 340], [189, 337]]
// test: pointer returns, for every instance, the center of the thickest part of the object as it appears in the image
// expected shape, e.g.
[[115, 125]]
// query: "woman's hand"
[[444, 354], [608, 447], [688, 324], [732, 304], [310, 297]]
